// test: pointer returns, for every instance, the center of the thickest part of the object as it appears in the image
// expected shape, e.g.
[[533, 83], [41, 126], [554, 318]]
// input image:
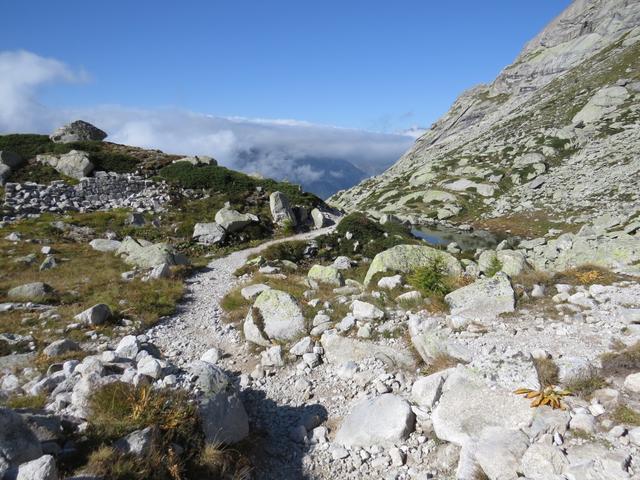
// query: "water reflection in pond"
[[441, 236]]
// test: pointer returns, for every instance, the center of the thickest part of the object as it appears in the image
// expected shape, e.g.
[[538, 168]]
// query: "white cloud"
[[280, 148], [22, 74]]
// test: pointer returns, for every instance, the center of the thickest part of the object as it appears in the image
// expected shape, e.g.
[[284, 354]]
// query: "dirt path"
[[197, 325]]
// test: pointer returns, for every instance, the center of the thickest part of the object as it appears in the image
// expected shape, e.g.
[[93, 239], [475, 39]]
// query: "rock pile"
[[104, 191]]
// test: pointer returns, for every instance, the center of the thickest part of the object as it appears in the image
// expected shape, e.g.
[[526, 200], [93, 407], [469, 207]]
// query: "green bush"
[[114, 162], [219, 179], [494, 267], [27, 146], [371, 236], [223, 180], [292, 251], [432, 279]]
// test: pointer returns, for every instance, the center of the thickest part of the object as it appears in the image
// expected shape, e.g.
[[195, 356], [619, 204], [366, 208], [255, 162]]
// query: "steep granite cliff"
[[555, 136]]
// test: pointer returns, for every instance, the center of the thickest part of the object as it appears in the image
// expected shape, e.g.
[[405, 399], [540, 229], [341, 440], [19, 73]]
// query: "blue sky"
[[321, 93], [375, 65]]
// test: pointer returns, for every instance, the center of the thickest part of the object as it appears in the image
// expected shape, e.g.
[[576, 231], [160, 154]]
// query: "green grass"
[[625, 415], [371, 237], [222, 180], [35, 402], [292, 251]]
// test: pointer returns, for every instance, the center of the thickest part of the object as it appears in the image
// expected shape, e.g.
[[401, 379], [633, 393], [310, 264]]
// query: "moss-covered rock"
[[406, 258], [327, 275]]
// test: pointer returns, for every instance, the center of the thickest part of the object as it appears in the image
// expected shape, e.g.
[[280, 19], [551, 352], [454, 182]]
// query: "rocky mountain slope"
[[555, 137]]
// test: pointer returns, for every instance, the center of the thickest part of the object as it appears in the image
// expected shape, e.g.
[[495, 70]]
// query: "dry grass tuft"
[[440, 362], [35, 402], [584, 385], [235, 306], [626, 360], [547, 372], [625, 415], [587, 275]]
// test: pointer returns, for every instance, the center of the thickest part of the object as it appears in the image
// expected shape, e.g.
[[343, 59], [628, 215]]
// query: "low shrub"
[[369, 236], [494, 267], [292, 251], [547, 372], [431, 279], [624, 360]]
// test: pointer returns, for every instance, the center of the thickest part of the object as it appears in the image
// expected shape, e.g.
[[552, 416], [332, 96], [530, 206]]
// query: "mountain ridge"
[[587, 53]]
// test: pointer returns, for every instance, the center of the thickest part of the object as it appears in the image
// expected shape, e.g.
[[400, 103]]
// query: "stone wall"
[[104, 191]]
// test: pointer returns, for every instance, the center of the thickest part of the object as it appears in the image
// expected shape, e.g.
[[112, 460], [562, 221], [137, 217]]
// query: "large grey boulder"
[[326, 274], [18, 444], [224, 418], [60, 347], [209, 378], [484, 299], [208, 233], [511, 262], [319, 219], [31, 292], [465, 408], [96, 315], [339, 350], [407, 258], [232, 220], [384, 420], [275, 315], [75, 164], [605, 100], [43, 468], [104, 245], [78, 131], [499, 451], [144, 255], [198, 160], [280, 209]]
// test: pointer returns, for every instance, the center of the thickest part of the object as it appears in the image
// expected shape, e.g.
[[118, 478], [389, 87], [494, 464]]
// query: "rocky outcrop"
[[406, 258], [78, 131], [275, 315], [208, 233], [232, 220], [385, 420], [280, 209], [147, 255], [484, 299], [547, 135], [74, 164], [198, 160]]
